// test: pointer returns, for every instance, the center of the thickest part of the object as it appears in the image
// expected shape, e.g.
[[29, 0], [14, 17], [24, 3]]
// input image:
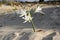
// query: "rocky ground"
[[11, 24]]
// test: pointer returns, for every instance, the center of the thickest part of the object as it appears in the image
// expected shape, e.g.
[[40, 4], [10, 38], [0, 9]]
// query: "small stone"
[[39, 30]]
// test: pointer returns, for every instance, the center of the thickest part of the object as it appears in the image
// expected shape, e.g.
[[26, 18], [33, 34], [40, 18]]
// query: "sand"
[[13, 28]]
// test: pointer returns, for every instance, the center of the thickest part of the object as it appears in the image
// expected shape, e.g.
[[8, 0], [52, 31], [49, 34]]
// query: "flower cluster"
[[26, 16]]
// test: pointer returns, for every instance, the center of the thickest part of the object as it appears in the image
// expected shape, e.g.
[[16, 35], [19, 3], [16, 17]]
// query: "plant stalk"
[[33, 25]]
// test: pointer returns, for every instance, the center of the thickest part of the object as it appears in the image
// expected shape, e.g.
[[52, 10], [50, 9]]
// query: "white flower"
[[27, 18], [22, 13], [39, 9]]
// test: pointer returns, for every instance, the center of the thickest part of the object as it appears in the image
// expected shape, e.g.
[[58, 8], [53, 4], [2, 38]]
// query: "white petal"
[[21, 15], [42, 12], [24, 21], [29, 21]]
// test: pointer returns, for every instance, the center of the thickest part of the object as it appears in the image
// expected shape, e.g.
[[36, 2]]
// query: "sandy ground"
[[11, 23], [28, 34]]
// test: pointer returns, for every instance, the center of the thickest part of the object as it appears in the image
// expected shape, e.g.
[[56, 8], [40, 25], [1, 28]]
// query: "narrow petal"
[[24, 21], [21, 15]]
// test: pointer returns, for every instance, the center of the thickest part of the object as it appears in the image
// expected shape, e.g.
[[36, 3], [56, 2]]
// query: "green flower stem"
[[33, 25], [32, 22]]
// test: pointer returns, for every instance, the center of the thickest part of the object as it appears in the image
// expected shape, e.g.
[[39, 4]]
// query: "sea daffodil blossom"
[[39, 9], [27, 18], [22, 13], [26, 15]]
